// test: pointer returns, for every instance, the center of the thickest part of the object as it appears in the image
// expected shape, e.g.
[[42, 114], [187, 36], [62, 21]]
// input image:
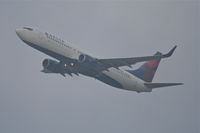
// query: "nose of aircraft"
[[18, 32]]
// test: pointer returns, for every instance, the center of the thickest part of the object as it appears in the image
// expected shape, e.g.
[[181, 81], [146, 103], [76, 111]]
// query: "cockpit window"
[[27, 28]]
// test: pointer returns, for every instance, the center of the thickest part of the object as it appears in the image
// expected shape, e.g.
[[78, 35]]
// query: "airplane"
[[69, 60]]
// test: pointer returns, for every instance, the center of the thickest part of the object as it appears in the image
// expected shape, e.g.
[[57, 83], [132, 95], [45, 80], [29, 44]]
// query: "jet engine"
[[50, 66], [85, 58]]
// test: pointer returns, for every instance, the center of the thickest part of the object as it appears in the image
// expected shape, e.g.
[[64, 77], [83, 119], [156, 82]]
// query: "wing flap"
[[158, 85]]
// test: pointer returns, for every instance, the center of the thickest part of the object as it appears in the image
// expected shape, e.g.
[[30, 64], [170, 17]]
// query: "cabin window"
[[27, 28]]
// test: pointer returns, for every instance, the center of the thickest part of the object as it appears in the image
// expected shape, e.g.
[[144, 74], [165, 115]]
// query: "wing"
[[158, 85], [118, 62]]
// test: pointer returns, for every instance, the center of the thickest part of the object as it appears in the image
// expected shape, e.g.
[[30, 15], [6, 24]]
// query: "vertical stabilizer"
[[147, 71]]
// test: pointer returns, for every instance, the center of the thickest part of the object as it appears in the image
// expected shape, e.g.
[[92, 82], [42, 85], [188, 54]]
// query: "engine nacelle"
[[48, 62], [85, 58], [52, 66], [49, 65]]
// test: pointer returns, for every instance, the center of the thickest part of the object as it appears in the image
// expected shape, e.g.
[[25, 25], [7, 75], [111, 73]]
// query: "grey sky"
[[33, 102]]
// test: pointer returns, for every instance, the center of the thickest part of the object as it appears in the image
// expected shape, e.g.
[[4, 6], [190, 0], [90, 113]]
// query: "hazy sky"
[[33, 102]]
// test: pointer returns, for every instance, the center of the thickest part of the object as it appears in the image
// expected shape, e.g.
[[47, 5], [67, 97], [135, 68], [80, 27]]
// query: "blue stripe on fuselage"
[[108, 80], [46, 51]]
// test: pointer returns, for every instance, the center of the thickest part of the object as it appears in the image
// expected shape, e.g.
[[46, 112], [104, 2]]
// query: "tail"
[[147, 71]]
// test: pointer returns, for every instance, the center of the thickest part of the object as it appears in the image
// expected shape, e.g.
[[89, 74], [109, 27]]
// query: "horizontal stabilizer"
[[158, 85]]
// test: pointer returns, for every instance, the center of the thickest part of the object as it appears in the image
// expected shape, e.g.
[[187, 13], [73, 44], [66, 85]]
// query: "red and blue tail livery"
[[147, 71]]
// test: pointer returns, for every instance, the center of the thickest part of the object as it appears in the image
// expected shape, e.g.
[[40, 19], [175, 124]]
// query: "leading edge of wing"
[[118, 62]]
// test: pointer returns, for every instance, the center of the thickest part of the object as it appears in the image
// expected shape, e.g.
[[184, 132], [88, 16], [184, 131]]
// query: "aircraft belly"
[[59, 49], [124, 81], [40, 40], [128, 82]]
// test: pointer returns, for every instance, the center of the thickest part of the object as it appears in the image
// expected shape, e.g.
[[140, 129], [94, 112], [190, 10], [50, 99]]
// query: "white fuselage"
[[52, 43]]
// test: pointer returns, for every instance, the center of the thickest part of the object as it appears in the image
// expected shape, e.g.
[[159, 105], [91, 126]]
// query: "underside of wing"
[[119, 62], [158, 85]]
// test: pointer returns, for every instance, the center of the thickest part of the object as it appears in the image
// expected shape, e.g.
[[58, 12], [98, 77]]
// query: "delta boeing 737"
[[72, 61]]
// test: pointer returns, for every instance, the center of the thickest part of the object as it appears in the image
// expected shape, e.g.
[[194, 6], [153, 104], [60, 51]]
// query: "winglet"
[[170, 52]]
